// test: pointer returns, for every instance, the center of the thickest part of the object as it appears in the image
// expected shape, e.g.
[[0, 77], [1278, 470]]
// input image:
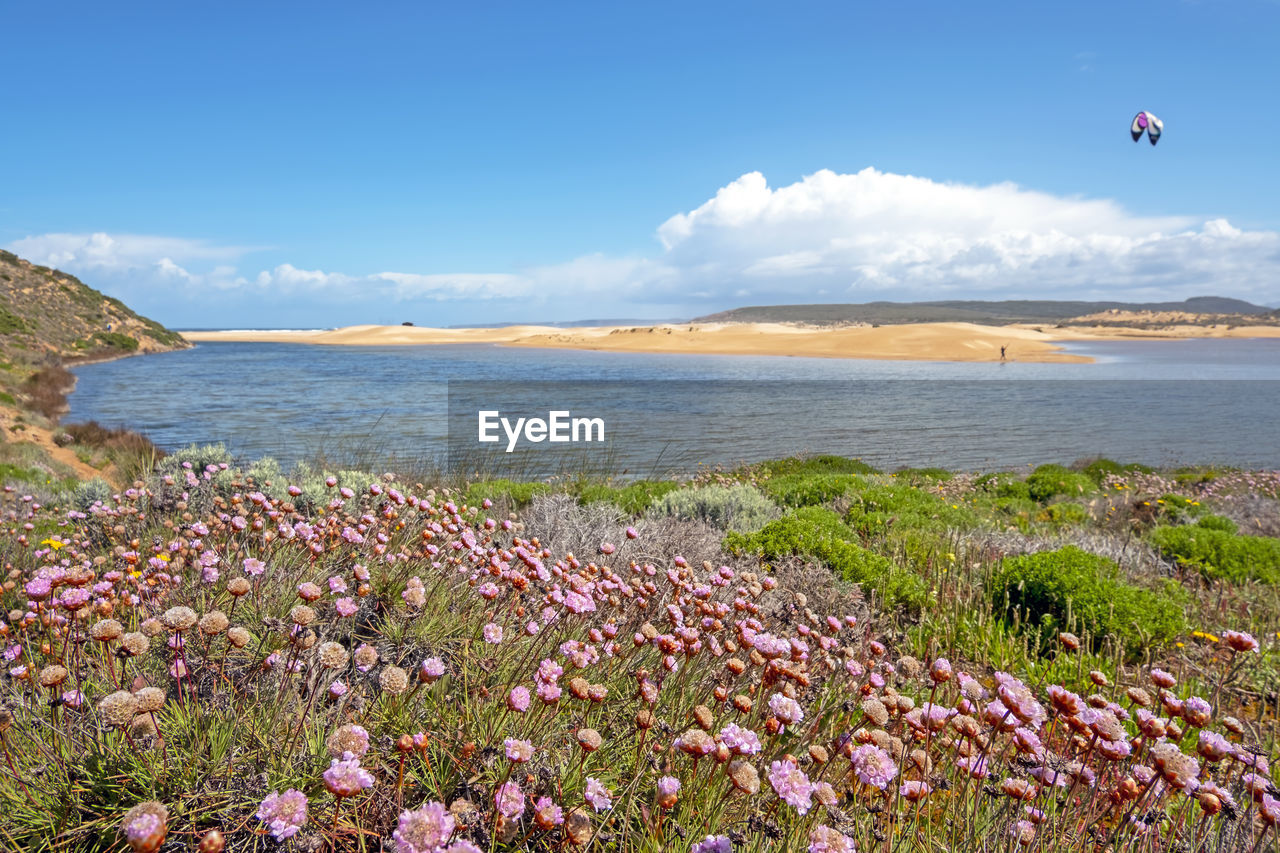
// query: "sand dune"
[[915, 342]]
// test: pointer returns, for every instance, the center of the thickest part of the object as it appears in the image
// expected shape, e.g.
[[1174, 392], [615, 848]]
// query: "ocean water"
[[1157, 402]]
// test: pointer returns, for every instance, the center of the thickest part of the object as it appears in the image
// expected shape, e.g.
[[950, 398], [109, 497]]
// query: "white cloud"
[[826, 237]]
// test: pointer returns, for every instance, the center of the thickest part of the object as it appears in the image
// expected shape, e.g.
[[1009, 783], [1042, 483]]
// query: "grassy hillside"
[[975, 311], [49, 319]]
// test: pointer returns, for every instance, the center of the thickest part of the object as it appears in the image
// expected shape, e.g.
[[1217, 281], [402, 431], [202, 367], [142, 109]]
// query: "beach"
[[965, 342]]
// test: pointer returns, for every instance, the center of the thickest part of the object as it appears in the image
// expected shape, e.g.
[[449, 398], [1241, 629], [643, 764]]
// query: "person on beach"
[[1002, 349]]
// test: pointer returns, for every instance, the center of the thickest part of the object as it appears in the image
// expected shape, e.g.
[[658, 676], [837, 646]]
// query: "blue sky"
[[290, 164]]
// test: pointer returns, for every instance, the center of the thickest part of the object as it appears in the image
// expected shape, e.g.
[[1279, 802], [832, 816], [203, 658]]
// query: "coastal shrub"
[[1073, 590], [876, 509], [633, 498], [1099, 469], [117, 340], [1219, 553], [265, 473], [1218, 522], [1003, 485], [11, 323], [196, 458], [46, 390], [798, 490], [1063, 513], [513, 493], [819, 533], [1048, 481], [89, 492], [738, 507], [811, 465]]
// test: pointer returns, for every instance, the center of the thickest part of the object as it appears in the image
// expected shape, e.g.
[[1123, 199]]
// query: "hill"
[[48, 319], [988, 313]]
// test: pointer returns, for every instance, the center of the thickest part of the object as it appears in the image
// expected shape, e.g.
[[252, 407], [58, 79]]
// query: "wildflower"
[[741, 741], [1023, 832], [430, 670], [145, 826], [179, 619], [713, 844], [333, 655], [744, 777], [518, 751], [914, 792], [1162, 678], [791, 785], [345, 777], [73, 699], [824, 839], [1269, 810], [598, 795], [509, 800], [1196, 711], [1239, 641], [940, 671], [974, 765], [350, 739], [668, 790], [589, 740], [875, 711], [874, 766], [824, 793], [546, 814], [415, 594], [786, 709], [345, 607], [284, 814], [493, 633], [366, 656], [423, 830], [254, 567], [1213, 746]]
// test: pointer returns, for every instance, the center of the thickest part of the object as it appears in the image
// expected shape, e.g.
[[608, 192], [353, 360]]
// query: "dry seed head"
[[577, 827], [589, 740], [142, 726], [744, 777], [150, 699], [212, 842], [1138, 696], [106, 630], [239, 637], [152, 627], [213, 623], [238, 587], [394, 680], [135, 643], [53, 675], [333, 655], [366, 655], [118, 708], [301, 614], [702, 714], [178, 619]]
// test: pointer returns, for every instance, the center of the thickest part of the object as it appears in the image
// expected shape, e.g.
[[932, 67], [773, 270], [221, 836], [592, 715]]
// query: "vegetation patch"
[[1221, 553]]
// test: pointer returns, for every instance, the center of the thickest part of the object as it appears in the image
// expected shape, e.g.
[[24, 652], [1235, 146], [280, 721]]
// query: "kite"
[[1148, 122]]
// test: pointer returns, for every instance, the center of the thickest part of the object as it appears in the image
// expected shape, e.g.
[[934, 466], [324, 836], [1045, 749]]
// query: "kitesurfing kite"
[[1148, 122]]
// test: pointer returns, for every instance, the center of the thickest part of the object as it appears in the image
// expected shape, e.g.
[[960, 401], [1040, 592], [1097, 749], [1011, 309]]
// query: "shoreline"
[[957, 342]]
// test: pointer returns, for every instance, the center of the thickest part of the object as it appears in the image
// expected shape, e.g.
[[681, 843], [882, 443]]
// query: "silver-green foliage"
[[738, 507]]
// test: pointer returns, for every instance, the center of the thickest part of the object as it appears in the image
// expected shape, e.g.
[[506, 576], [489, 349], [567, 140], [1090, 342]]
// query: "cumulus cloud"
[[827, 237]]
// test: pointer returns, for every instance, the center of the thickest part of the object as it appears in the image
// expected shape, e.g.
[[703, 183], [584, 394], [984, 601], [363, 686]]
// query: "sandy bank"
[[917, 342]]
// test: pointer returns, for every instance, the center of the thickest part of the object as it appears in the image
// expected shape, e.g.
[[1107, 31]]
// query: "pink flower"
[[791, 785], [598, 795], [518, 699], [913, 791], [824, 839], [431, 670], [509, 800], [518, 751], [254, 567], [345, 777], [786, 709], [346, 607], [337, 586], [713, 844], [284, 814], [548, 813], [493, 633], [423, 830], [337, 689], [874, 766], [1240, 641], [741, 741]]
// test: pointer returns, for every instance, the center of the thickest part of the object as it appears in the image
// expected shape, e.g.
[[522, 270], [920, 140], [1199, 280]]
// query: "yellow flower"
[[1160, 500], [1205, 636], [53, 543], [1179, 645], [164, 557]]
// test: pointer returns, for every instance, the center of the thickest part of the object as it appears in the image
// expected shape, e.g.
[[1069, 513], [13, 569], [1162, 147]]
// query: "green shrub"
[[1178, 507], [1099, 469], [515, 493], [633, 498], [1221, 554], [876, 509], [90, 492], [1063, 513], [810, 465], [1218, 522], [1048, 481], [738, 507], [802, 489], [117, 340], [199, 457], [819, 533], [11, 323], [1070, 589]]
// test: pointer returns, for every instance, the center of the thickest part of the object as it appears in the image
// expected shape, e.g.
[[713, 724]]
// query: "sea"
[[1157, 402]]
